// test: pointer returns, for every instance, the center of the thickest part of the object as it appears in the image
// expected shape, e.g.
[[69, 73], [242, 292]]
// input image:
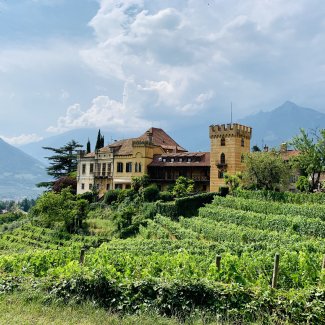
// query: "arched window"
[[140, 168], [222, 158], [136, 167], [223, 141], [242, 142]]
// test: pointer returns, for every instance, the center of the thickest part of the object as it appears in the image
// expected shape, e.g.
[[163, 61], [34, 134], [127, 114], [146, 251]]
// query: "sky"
[[124, 66]]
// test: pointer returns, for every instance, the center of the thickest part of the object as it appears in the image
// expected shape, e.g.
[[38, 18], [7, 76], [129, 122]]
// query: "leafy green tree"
[[55, 209], [139, 182], [256, 148], [311, 159], [183, 187], [266, 170], [233, 181], [63, 162], [303, 184]]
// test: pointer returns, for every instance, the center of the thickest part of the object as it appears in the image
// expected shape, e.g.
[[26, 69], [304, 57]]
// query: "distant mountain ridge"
[[35, 149], [281, 124], [19, 173], [271, 128]]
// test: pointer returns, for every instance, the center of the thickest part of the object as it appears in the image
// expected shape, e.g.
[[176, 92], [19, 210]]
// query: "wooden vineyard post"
[[82, 256], [218, 262], [275, 270]]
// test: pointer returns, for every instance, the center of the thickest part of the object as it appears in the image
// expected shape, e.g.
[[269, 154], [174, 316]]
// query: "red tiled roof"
[[286, 155], [161, 138], [158, 137]]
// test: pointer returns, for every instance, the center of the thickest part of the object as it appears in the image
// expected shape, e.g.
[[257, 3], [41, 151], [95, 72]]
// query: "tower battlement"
[[230, 130]]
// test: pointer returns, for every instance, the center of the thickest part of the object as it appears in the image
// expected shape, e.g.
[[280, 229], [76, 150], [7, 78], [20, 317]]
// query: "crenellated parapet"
[[230, 130]]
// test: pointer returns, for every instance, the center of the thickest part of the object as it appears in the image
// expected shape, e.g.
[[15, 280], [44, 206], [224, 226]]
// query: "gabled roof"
[[162, 139], [122, 147], [156, 136]]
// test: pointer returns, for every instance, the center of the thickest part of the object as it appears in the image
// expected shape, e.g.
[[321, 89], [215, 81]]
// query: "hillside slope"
[[19, 173]]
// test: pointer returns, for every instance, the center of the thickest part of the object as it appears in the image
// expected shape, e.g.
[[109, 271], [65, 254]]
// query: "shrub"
[[165, 196], [189, 206], [111, 196], [150, 193]]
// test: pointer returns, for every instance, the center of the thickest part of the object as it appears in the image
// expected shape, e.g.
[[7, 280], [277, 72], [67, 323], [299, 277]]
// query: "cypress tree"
[[99, 140], [88, 146]]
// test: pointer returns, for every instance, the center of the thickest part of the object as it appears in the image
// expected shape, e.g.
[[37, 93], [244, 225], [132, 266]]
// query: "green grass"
[[28, 308], [16, 310]]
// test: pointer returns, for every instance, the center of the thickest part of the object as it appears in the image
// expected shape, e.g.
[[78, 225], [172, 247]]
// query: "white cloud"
[[22, 139], [254, 51], [104, 112]]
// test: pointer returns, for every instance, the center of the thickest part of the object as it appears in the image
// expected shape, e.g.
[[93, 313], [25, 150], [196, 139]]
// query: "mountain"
[[281, 124], [80, 135], [19, 173]]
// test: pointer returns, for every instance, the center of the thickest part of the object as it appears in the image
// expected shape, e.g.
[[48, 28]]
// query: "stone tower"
[[229, 143]]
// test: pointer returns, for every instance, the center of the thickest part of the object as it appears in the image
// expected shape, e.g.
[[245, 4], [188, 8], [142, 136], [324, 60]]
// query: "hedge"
[[186, 206]]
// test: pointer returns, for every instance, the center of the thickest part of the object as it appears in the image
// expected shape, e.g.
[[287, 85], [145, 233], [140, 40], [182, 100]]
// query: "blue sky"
[[127, 65]]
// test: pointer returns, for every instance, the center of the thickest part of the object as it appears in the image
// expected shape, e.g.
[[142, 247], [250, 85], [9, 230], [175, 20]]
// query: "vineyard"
[[220, 262]]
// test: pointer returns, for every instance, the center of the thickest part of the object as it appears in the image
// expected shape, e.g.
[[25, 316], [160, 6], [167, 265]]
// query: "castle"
[[156, 154]]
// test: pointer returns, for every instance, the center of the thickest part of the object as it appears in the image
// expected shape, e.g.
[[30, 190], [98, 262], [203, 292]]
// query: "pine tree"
[[63, 162], [88, 146]]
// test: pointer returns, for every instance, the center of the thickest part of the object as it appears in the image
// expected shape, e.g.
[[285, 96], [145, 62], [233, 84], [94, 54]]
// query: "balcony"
[[221, 164], [174, 178]]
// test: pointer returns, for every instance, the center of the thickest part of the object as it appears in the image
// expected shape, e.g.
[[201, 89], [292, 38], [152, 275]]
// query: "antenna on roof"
[[230, 112]]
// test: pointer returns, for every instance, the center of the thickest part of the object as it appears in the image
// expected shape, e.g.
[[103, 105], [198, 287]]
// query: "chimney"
[[149, 136], [284, 147]]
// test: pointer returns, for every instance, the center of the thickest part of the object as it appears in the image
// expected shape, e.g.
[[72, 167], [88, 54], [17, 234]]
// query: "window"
[[242, 142], [242, 158], [103, 169], [223, 141], [140, 168], [220, 174], [107, 187], [127, 186], [180, 159], [128, 167], [189, 160], [120, 167], [98, 169], [82, 186], [83, 169], [118, 186], [91, 168], [171, 159], [90, 186], [222, 158]]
